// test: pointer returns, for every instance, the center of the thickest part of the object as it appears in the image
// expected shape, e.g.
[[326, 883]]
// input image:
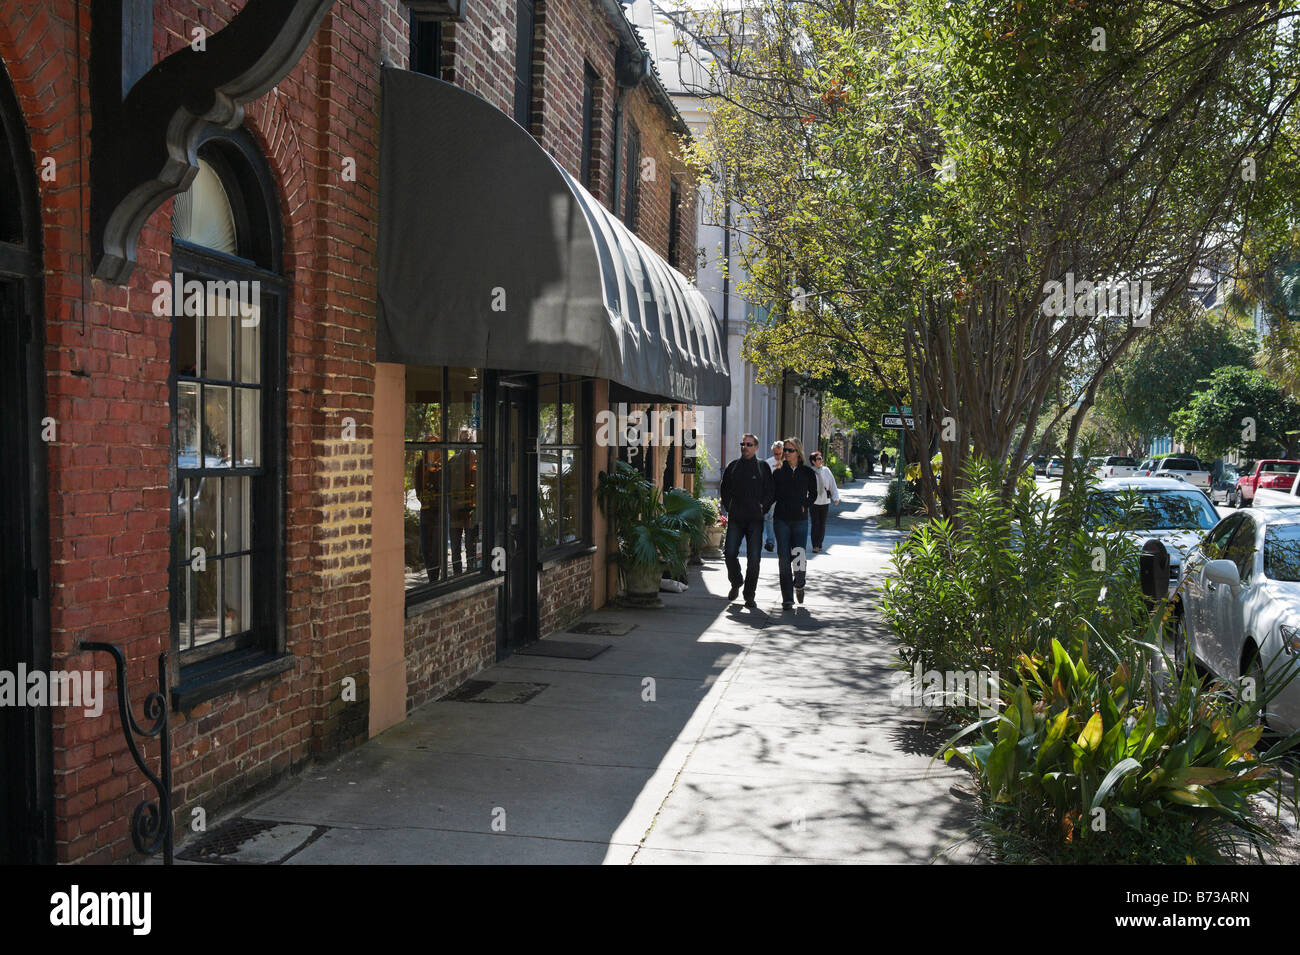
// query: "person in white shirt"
[[827, 493], [773, 462]]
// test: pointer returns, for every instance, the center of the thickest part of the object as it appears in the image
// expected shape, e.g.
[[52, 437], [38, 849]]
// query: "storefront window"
[[443, 474], [562, 499]]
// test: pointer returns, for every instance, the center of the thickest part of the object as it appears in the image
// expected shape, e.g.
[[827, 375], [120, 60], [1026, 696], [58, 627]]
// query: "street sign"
[[893, 409], [897, 422]]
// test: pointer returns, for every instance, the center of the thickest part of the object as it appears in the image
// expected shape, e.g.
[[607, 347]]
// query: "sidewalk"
[[706, 733]]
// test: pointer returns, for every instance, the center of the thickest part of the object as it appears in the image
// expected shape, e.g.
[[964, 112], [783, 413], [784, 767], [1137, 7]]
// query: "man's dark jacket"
[[747, 490]]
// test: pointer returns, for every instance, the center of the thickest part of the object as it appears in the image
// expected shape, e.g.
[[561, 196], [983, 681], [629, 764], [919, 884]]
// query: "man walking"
[[747, 492], [773, 463]]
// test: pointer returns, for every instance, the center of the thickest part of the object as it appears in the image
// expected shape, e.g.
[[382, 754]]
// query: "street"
[[707, 733]]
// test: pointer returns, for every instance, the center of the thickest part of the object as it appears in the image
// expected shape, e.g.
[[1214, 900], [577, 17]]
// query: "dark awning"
[[491, 255]]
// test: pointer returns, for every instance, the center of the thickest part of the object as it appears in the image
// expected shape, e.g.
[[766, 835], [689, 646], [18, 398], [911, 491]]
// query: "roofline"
[[628, 35]]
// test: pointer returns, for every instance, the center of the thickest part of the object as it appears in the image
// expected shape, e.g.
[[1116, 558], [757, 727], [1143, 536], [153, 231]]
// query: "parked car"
[[1239, 609], [1222, 489], [1183, 467], [1273, 473], [1166, 509], [1055, 468], [1040, 467], [1279, 496], [1116, 466]]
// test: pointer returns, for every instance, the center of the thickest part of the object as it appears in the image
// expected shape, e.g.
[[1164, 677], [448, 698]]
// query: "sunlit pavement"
[[708, 733]]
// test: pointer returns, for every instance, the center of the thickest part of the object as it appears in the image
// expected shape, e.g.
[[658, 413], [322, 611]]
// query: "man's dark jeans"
[[752, 533]]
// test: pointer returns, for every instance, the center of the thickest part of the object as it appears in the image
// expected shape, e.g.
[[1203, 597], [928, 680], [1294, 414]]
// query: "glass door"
[[518, 462]]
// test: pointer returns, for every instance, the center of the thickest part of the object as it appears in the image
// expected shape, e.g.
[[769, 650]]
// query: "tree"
[[1162, 372], [995, 201], [1239, 409]]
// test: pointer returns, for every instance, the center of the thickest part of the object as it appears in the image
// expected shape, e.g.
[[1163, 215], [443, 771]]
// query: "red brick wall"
[[565, 594], [107, 387], [447, 645]]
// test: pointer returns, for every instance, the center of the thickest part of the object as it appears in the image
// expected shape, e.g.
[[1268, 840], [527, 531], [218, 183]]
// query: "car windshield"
[[1281, 467], [1282, 552], [1139, 509]]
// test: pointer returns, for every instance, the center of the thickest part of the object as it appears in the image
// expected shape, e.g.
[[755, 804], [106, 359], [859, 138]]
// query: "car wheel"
[[1236, 498], [1254, 670], [1179, 651]]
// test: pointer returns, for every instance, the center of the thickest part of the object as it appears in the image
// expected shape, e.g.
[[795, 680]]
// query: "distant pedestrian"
[[871, 462], [827, 494], [773, 462], [747, 492], [884, 462], [796, 489]]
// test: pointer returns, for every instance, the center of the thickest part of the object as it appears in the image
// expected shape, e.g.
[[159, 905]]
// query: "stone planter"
[[715, 536], [643, 585]]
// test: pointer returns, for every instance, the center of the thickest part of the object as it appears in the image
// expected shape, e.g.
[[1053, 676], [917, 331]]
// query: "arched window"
[[227, 303]]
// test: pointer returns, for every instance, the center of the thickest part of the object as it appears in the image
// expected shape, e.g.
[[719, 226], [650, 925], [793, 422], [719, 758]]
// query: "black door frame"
[[29, 805], [521, 576]]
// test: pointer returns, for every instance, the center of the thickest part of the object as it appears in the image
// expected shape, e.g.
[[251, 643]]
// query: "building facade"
[[213, 457]]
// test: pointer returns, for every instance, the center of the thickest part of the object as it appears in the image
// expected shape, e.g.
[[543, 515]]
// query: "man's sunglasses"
[[749, 444]]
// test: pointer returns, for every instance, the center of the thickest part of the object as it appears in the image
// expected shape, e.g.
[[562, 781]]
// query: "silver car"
[[1241, 604]]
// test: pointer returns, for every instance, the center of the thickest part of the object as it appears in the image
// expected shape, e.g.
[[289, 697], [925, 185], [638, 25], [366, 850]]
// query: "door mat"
[[564, 649], [251, 842], [494, 691], [603, 628]]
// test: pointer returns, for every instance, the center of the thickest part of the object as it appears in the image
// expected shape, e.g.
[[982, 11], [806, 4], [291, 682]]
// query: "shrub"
[[911, 499], [1116, 764]]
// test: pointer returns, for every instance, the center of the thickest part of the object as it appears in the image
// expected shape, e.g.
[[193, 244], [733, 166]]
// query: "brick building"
[[216, 446]]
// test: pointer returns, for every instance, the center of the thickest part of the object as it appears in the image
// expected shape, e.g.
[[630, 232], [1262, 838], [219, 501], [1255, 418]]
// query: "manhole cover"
[[251, 842], [489, 691], [602, 628], [564, 649]]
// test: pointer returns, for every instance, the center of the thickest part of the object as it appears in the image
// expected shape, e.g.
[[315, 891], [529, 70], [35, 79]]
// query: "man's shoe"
[[769, 546], [798, 593], [733, 594], [749, 602]]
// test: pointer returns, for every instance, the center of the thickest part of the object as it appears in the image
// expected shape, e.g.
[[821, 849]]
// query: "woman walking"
[[796, 489], [827, 493]]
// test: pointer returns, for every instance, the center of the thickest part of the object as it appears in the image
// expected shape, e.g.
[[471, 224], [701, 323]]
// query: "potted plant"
[[715, 526], [649, 537]]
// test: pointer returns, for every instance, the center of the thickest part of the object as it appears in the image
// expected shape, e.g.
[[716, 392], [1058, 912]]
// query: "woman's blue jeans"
[[791, 554]]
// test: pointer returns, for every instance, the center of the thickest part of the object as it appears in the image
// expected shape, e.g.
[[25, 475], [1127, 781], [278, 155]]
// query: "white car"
[[1056, 468], [1241, 604], [1116, 466], [1278, 497], [1168, 510]]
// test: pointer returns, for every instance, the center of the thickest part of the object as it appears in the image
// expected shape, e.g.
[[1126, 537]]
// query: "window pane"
[[548, 427], [464, 390], [216, 426], [237, 585], [236, 511], [249, 347], [203, 591], [423, 404], [187, 345], [570, 496], [188, 488], [424, 548], [187, 424], [204, 528], [548, 499], [568, 412], [463, 511], [248, 447], [216, 344]]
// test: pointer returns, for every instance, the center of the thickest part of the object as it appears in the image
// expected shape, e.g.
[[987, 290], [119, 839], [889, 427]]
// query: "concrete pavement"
[[706, 734]]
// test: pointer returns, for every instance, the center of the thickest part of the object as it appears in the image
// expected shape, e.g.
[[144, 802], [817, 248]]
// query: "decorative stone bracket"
[[144, 146]]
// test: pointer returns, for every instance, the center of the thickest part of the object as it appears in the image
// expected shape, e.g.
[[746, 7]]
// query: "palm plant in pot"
[[649, 537]]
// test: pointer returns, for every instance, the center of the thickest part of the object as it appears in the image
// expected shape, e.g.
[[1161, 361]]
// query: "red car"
[[1273, 473]]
